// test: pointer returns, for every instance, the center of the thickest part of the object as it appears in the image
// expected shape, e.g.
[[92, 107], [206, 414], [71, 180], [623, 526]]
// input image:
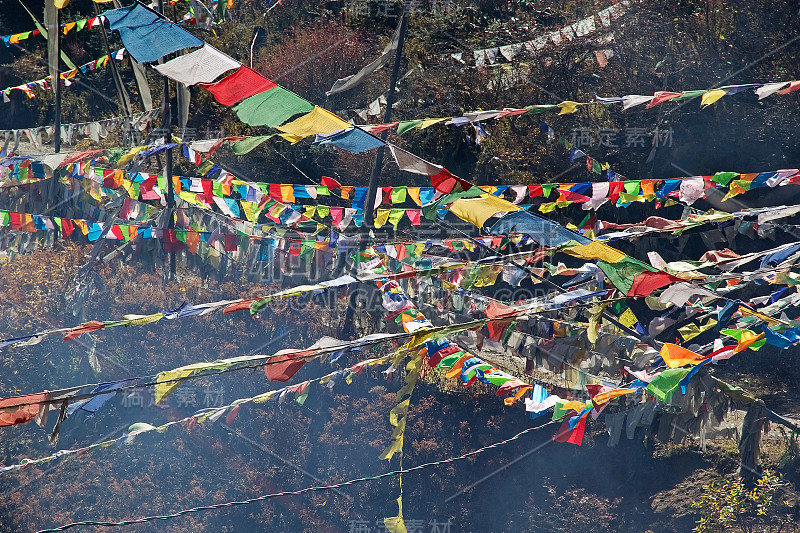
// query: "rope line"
[[294, 492]]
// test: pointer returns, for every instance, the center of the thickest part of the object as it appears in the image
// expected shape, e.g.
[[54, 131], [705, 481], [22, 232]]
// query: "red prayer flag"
[[574, 436], [11, 412], [88, 327], [496, 328], [171, 242], [242, 84], [436, 358], [659, 97], [793, 86], [330, 182], [283, 367], [614, 188], [535, 191], [239, 306], [66, 227], [647, 282]]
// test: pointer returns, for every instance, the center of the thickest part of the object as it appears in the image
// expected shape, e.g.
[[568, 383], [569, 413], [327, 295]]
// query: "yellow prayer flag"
[[595, 250], [431, 121], [318, 121], [129, 155], [287, 193], [628, 318], [574, 406], [478, 210], [414, 193], [141, 320], [709, 97], [165, 385], [603, 397], [381, 217], [568, 107]]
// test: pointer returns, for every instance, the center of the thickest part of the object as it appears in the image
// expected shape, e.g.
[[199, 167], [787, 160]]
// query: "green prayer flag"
[[399, 195], [301, 398], [448, 361], [723, 178], [664, 384], [258, 305], [632, 186], [406, 125], [536, 109], [559, 411], [547, 188], [688, 95], [395, 216], [622, 273], [596, 167], [271, 108], [247, 145]]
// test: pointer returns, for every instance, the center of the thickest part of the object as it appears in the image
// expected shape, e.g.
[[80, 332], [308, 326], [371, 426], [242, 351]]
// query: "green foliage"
[[730, 506]]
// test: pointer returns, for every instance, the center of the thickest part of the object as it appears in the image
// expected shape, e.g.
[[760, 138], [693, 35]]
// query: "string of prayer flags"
[[257, 100], [77, 25], [708, 97], [20, 409], [44, 83]]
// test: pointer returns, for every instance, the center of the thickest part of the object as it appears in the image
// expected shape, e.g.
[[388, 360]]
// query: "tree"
[[729, 506]]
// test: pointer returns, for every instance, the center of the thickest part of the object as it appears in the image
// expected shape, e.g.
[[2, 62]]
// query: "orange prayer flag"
[[676, 356], [455, 370]]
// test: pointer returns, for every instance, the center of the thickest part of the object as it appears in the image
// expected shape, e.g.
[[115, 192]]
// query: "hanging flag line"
[[477, 208], [254, 305], [67, 27], [280, 366], [20, 221], [546, 232], [300, 491], [78, 25], [44, 83], [580, 29], [212, 414], [707, 98], [590, 195], [96, 130]]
